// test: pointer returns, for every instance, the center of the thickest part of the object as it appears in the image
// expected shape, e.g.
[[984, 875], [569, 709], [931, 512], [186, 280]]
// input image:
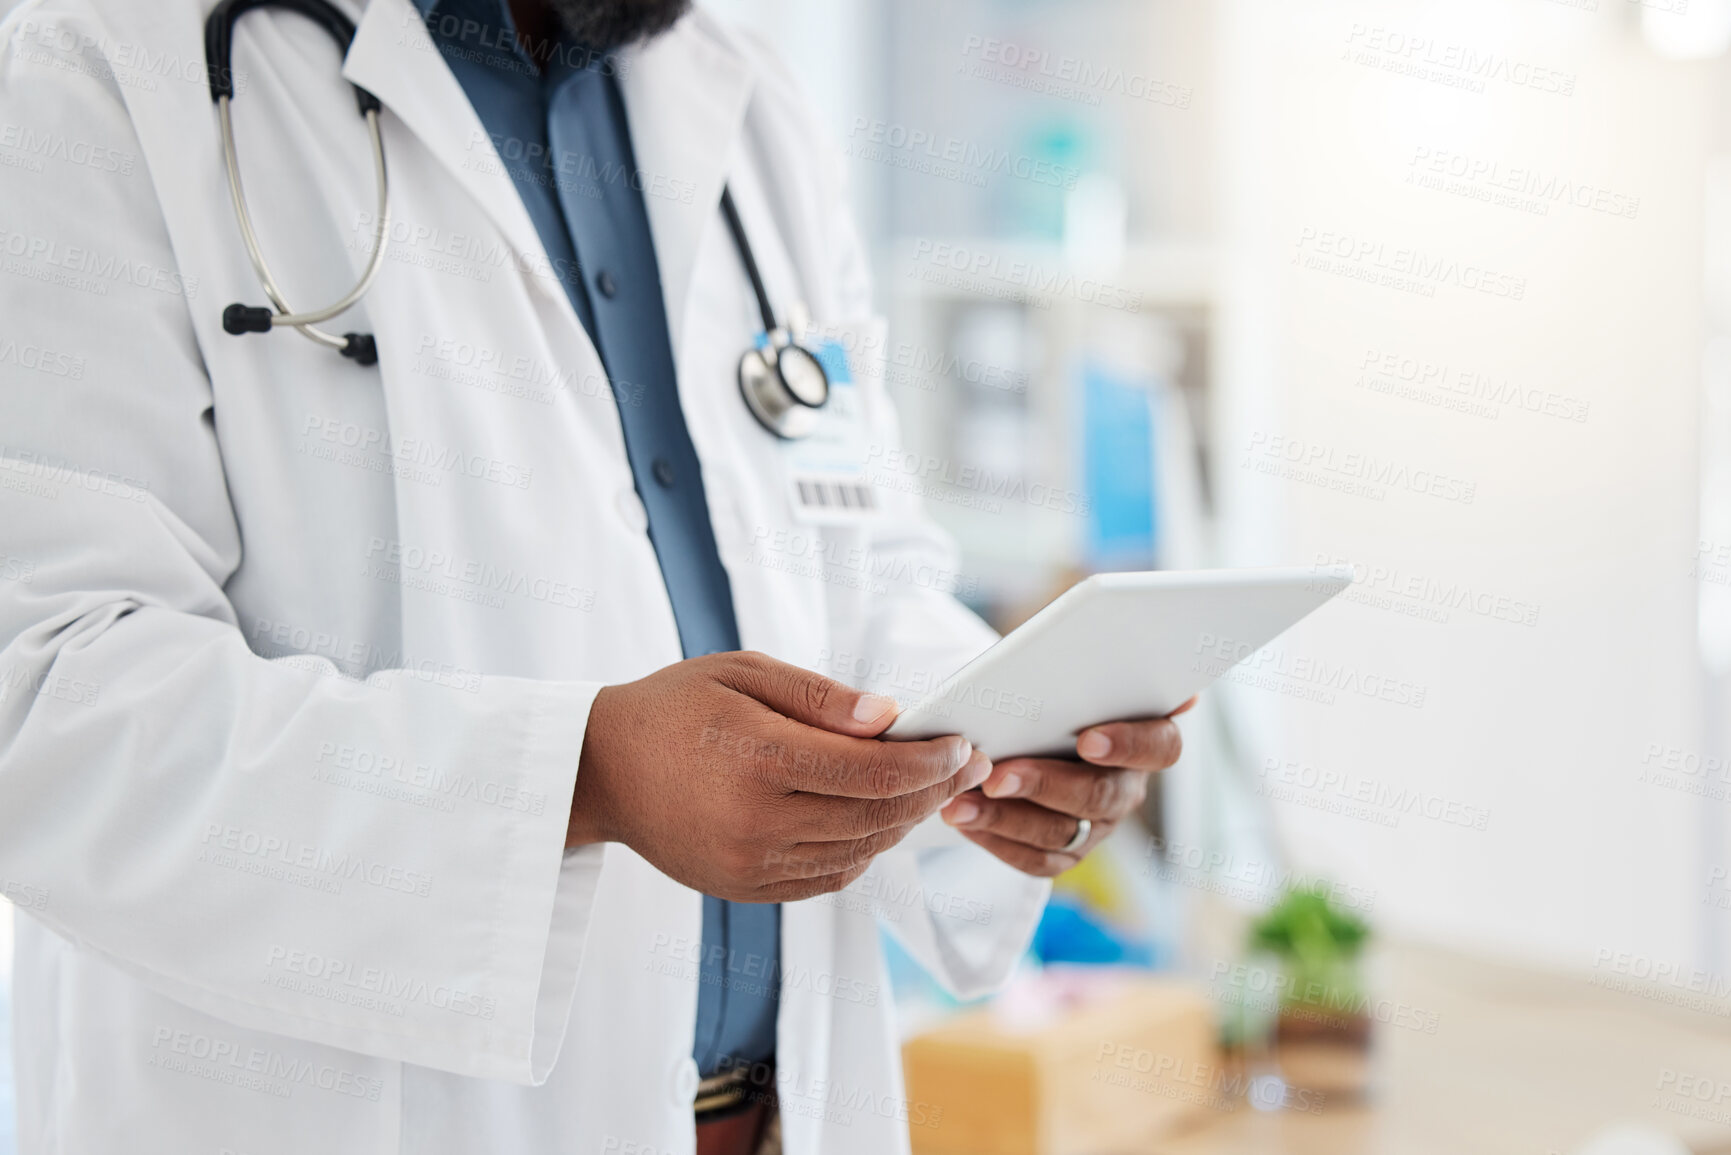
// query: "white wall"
[[1543, 726]]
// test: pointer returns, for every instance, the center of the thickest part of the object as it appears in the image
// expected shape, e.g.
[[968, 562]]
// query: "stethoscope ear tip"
[[361, 348], [239, 318]]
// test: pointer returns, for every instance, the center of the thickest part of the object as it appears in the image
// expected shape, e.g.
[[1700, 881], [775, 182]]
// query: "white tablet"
[[1116, 645]]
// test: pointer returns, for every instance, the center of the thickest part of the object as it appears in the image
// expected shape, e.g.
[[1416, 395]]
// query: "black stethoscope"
[[783, 382]]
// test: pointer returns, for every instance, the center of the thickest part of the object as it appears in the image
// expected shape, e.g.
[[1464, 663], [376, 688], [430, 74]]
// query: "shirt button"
[[605, 282], [685, 1082], [663, 471], [632, 510]]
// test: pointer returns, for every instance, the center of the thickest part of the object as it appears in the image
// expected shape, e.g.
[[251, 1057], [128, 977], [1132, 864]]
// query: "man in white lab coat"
[[381, 766]]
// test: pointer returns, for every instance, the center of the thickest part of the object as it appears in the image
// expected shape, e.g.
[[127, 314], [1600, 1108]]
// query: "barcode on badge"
[[834, 498], [828, 493]]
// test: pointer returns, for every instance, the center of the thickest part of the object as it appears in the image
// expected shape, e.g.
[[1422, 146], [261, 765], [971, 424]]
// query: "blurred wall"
[[1438, 367]]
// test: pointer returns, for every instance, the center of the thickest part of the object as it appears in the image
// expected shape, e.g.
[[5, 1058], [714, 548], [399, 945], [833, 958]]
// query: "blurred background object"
[[1311, 954]]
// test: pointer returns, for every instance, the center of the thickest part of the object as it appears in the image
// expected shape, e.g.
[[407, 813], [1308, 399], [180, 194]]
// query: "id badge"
[[826, 475]]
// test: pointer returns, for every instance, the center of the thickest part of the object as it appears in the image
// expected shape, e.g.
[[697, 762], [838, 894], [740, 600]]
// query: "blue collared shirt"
[[557, 121]]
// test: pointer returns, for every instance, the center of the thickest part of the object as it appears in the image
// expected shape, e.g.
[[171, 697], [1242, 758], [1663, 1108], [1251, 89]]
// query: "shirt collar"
[[559, 61]]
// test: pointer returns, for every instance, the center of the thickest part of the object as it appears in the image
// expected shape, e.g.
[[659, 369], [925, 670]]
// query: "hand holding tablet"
[[1074, 706], [1116, 645]]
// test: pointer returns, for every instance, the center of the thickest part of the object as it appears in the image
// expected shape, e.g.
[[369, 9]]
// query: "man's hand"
[[756, 781], [1027, 811]]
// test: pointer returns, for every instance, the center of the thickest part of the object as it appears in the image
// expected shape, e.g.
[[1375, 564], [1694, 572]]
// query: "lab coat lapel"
[[394, 58], [685, 96], [541, 402], [686, 93]]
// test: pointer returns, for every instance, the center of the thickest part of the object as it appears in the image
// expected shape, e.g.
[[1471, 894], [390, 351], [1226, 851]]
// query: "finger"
[[790, 757], [796, 889], [1027, 859], [1148, 744], [819, 818], [1191, 701], [817, 859], [1024, 822], [804, 696], [1073, 788]]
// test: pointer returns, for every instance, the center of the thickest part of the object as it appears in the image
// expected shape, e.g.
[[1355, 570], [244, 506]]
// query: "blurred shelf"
[[1150, 316], [1166, 274]]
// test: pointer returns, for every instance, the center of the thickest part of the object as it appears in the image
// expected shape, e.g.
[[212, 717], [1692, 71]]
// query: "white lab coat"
[[297, 655]]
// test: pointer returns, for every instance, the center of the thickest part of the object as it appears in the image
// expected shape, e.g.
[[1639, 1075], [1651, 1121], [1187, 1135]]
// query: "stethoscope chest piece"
[[785, 387]]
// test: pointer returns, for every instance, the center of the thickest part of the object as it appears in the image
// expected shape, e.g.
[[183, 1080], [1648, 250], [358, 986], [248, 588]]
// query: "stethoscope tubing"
[[746, 258], [783, 408], [306, 322]]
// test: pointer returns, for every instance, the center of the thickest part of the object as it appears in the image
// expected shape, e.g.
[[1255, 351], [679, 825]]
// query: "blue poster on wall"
[[1118, 470]]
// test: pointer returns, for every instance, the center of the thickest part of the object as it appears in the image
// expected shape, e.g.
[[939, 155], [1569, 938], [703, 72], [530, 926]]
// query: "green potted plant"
[[1322, 1026]]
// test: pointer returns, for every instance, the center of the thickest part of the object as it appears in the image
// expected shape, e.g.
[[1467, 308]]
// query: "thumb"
[[809, 698]]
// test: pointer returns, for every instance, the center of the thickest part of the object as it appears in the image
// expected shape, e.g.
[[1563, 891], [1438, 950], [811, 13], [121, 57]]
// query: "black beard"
[[603, 25]]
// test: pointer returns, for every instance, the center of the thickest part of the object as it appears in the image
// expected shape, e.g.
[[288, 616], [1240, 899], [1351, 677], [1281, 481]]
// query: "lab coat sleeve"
[[961, 912], [233, 831]]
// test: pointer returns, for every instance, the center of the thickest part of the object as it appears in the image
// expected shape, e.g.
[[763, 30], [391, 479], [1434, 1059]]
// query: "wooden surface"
[[1521, 1063]]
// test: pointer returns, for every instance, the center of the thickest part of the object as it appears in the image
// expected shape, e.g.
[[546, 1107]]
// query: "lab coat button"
[[631, 509], [685, 1083]]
